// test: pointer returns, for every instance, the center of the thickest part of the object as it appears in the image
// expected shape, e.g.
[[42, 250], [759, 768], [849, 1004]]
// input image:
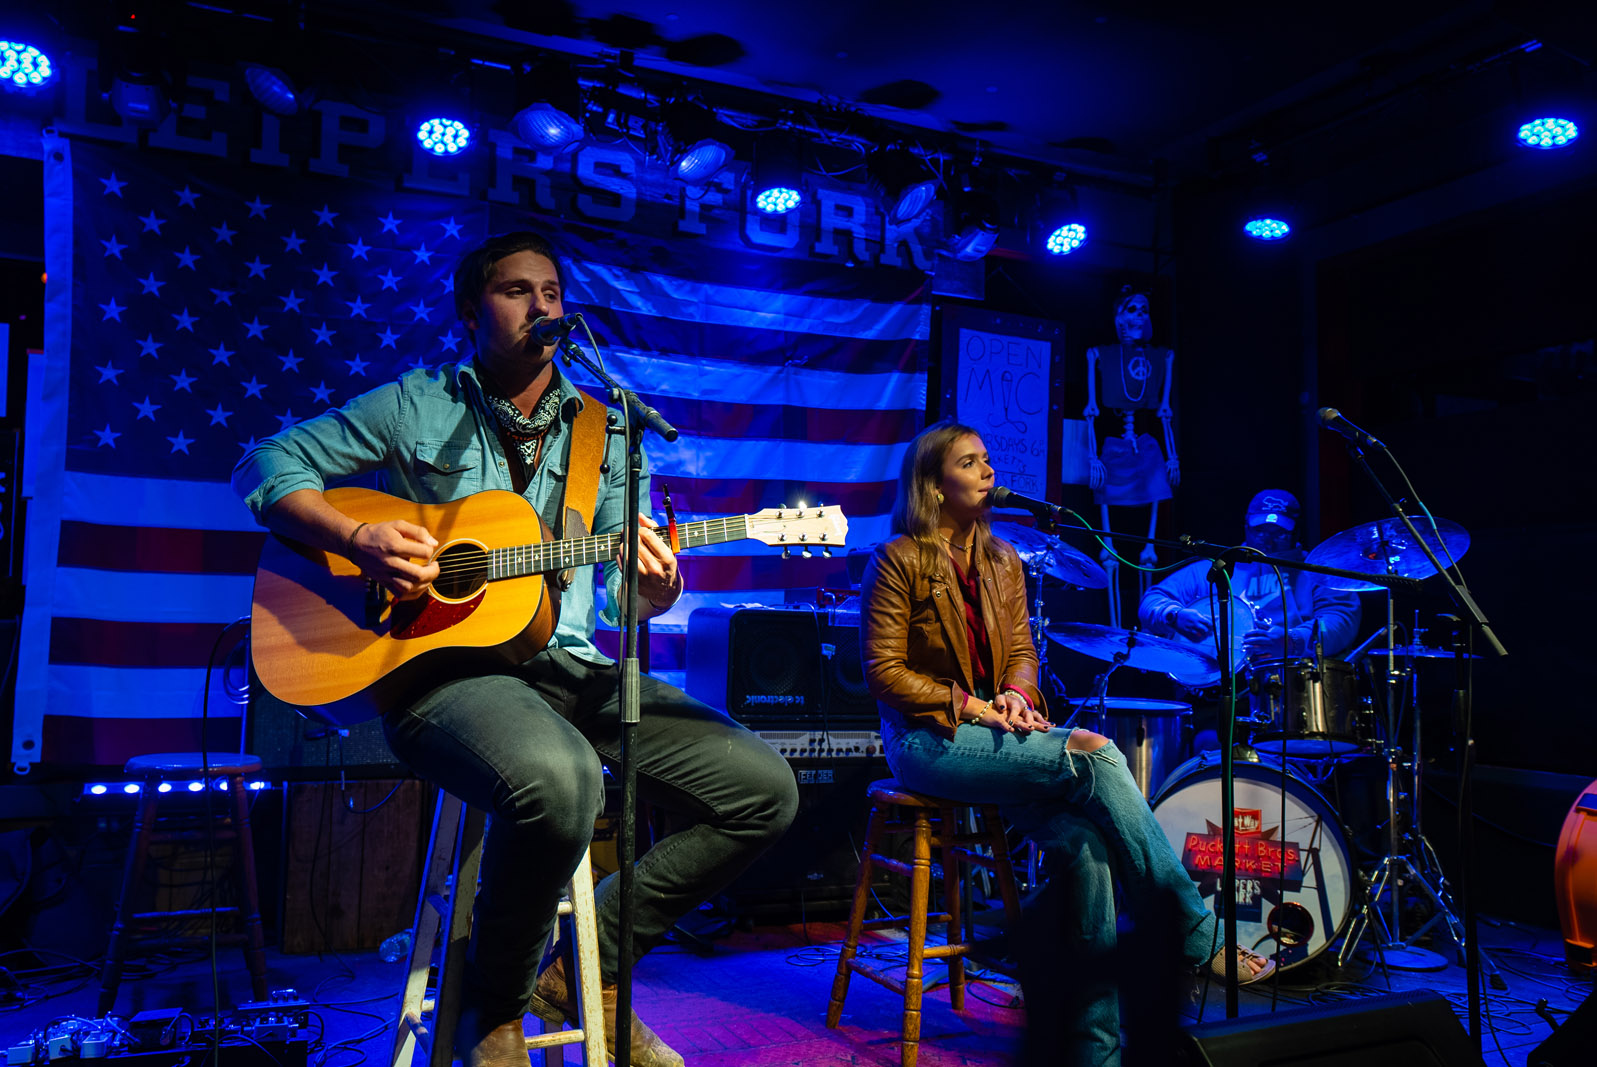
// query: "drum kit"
[[1325, 842]]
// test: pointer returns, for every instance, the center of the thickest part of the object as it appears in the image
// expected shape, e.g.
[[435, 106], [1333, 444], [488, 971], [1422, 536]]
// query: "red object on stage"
[[1575, 879]]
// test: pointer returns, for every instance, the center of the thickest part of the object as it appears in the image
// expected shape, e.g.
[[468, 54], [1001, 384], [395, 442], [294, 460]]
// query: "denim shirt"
[[432, 437]]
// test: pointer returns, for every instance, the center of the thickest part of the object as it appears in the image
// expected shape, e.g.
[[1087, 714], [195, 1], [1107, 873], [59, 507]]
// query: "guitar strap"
[[583, 465]]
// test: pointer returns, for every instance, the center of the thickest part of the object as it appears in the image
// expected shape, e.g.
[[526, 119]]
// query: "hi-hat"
[[1052, 556], [1386, 547], [1139, 650]]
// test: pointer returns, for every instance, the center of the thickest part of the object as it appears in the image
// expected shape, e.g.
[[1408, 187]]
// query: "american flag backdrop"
[[196, 306]]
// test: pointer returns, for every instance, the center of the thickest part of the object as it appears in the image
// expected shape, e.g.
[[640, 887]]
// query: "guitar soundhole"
[[462, 570]]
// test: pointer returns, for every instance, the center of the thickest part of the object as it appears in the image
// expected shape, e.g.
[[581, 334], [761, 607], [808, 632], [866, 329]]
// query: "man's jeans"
[[526, 747], [1085, 810]]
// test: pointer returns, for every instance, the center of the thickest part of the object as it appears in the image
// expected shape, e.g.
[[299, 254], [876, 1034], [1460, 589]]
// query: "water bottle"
[[395, 948]]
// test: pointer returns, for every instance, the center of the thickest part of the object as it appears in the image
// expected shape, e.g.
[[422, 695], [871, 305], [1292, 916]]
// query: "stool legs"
[[920, 889], [132, 876], [952, 891], [856, 915], [993, 825], [254, 935]]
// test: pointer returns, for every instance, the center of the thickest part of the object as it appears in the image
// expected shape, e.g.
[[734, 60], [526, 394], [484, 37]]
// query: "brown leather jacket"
[[912, 633]]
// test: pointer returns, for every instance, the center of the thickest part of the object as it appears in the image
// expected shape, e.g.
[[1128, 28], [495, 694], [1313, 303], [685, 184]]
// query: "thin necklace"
[[954, 543], [1125, 391]]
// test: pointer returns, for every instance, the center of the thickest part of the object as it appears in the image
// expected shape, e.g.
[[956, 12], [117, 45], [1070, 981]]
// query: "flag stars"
[[322, 393], [291, 362], [112, 186], [184, 320], [219, 415], [390, 224], [390, 280], [186, 258], [223, 296], [291, 302], [149, 346], [221, 354], [357, 366], [186, 196], [151, 285], [113, 310], [451, 228], [285, 420], [180, 443], [423, 255], [257, 268], [257, 329], [388, 337], [292, 242], [224, 235], [325, 275], [113, 247], [450, 341], [359, 249], [147, 410], [247, 445], [182, 380], [254, 387], [152, 221], [257, 208], [107, 436], [325, 217], [324, 336], [423, 312], [108, 373], [357, 306]]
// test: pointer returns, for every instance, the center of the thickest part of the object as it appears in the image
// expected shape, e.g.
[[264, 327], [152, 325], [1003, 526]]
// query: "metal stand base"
[[1395, 874]]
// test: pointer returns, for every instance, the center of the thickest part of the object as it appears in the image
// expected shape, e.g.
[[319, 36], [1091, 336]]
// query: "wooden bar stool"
[[225, 826], [933, 821], [448, 892]]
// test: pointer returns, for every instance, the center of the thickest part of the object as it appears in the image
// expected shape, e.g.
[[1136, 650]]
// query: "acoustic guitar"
[[327, 639]]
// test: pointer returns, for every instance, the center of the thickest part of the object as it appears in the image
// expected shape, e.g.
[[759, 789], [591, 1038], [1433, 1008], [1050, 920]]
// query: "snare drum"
[[1295, 875], [1303, 710], [1151, 734]]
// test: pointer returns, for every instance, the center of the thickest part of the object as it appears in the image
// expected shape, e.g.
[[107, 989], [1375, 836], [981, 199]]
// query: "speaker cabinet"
[[1572, 1043], [779, 668], [1416, 1029], [294, 747]]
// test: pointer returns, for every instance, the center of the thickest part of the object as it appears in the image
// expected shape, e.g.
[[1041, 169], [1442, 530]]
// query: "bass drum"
[[1295, 875]]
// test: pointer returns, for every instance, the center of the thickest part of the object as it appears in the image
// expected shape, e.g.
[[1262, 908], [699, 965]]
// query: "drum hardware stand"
[[1472, 621]]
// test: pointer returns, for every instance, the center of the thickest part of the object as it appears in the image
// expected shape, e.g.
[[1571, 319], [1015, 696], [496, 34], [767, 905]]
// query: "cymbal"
[[1419, 652], [1143, 651], [1052, 556], [1386, 547]]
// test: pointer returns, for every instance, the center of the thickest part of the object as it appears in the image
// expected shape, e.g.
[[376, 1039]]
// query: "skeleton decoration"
[[1128, 468]]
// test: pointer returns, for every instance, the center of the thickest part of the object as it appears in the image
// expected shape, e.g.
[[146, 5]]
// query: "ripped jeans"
[[1087, 814]]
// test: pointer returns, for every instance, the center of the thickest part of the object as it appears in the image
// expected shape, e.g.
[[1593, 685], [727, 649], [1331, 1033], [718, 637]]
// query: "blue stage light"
[[443, 137], [195, 787], [1067, 239], [1548, 133], [98, 789], [131, 787], [546, 126], [702, 161], [1267, 229], [272, 89], [164, 787], [23, 66], [778, 200]]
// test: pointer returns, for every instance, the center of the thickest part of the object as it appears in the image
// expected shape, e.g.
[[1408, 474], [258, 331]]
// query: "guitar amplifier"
[[295, 747], [779, 668]]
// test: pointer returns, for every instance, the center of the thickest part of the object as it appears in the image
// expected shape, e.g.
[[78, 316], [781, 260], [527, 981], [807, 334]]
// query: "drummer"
[[1307, 618]]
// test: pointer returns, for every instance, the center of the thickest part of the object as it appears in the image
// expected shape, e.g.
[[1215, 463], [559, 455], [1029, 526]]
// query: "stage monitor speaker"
[[1416, 1029], [297, 748], [1574, 1042]]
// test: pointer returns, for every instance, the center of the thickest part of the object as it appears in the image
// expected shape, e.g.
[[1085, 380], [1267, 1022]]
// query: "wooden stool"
[[934, 823], [235, 827], [448, 892]]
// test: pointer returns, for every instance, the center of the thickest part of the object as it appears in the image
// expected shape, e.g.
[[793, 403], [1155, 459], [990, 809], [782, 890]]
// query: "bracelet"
[[349, 542], [985, 708], [1029, 705]]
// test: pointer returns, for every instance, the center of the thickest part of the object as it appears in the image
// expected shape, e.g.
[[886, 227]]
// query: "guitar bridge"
[[376, 601]]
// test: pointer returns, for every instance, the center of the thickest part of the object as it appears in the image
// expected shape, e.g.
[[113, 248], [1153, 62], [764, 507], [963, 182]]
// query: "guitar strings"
[[556, 553]]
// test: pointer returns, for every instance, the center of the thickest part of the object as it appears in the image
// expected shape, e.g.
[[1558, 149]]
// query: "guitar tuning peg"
[[826, 551], [807, 554], [787, 553]]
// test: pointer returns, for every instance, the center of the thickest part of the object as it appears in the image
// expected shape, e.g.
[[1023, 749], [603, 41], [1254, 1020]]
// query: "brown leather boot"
[[555, 1002], [484, 1045]]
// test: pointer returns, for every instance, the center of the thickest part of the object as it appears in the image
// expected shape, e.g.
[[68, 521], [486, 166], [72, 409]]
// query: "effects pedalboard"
[[824, 744], [265, 1033]]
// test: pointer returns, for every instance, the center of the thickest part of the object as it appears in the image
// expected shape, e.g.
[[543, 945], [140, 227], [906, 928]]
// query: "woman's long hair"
[[915, 511]]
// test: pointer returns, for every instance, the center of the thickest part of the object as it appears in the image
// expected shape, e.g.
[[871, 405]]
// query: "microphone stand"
[[1222, 558], [1472, 621], [635, 418]]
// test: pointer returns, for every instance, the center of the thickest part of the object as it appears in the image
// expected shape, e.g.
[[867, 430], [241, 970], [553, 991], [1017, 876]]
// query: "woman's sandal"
[[1245, 958]]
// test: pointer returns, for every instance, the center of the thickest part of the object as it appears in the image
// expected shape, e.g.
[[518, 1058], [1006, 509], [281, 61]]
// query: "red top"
[[981, 653]]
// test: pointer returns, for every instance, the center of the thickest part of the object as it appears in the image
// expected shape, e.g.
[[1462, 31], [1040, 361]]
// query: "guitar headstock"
[[806, 529]]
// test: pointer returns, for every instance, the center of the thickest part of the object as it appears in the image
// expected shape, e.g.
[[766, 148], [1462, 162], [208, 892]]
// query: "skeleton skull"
[[1132, 320]]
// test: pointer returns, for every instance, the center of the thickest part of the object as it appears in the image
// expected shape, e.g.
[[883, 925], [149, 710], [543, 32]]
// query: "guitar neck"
[[516, 561]]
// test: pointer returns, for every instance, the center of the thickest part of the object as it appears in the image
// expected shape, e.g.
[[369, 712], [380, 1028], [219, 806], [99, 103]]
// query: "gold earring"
[[939, 496]]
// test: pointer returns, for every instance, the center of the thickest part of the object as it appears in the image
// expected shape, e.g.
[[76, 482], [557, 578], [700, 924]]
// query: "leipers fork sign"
[[609, 184]]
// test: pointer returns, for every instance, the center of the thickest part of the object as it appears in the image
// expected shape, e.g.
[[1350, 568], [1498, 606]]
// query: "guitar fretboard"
[[516, 561]]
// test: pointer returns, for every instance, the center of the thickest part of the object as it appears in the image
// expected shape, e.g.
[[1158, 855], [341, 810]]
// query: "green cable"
[[1107, 547]]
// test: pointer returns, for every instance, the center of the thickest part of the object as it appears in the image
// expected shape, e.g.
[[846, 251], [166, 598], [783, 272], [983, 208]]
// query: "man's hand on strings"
[[659, 580], [397, 555]]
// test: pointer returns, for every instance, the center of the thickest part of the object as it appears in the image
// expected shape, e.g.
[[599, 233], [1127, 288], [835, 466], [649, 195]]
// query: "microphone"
[[1334, 421], [547, 331], [1001, 497]]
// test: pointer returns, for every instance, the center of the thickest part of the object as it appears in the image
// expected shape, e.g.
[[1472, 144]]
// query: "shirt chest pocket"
[[447, 470]]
